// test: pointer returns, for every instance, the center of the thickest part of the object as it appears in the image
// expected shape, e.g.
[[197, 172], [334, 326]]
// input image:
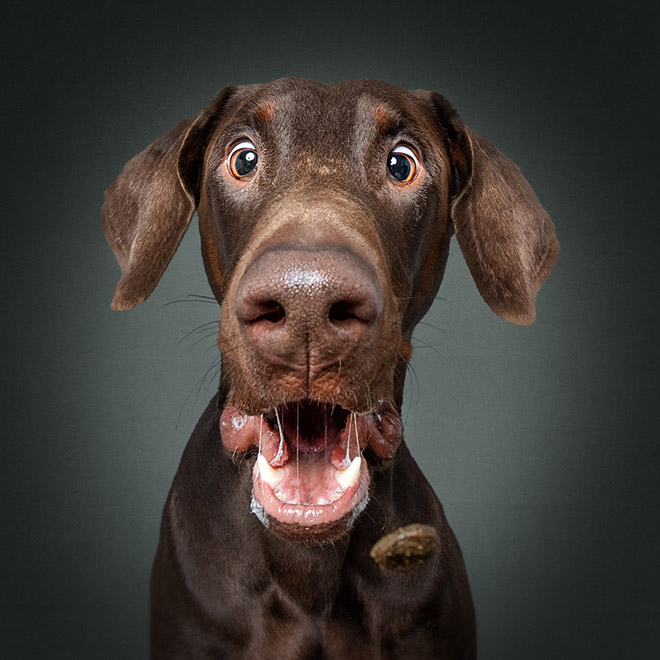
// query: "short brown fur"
[[223, 585]]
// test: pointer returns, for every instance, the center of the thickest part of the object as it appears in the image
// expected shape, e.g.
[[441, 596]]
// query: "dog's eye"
[[243, 159], [402, 164]]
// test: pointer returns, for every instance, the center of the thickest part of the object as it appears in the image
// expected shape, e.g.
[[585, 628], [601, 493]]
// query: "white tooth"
[[272, 476], [350, 475]]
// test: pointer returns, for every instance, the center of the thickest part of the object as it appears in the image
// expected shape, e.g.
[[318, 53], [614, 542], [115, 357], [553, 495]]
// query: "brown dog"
[[326, 213]]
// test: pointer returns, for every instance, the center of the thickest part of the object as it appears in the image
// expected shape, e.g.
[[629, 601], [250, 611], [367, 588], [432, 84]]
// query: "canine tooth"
[[350, 475], [272, 476]]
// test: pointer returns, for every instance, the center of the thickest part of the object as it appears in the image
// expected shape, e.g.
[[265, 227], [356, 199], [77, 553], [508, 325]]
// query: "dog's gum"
[[346, 450], [407, 546], [385, 443]]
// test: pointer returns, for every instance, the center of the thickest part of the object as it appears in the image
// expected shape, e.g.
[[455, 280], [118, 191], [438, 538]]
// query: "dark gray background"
[[542, 442]]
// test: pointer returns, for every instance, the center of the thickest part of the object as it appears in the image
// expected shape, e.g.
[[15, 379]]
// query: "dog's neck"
[[310, 575]]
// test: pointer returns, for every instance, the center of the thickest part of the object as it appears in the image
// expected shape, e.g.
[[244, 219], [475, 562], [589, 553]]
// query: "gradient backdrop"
[[542, 442]]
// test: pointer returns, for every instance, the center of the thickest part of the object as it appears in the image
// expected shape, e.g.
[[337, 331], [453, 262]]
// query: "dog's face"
[[325, 213]]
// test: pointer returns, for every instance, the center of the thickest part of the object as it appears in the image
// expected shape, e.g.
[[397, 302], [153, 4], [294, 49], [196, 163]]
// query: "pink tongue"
[[309, 479]]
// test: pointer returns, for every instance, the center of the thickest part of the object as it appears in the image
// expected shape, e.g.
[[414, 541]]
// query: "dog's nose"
[[308, 308]]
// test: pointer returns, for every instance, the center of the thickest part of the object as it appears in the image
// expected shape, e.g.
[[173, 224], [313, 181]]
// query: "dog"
[[325, 214]]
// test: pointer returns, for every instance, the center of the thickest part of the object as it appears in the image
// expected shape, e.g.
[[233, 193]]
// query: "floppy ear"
[[506, 237], [148, 208]]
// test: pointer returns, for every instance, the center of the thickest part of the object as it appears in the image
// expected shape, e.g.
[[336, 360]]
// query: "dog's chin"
[[310, 480]]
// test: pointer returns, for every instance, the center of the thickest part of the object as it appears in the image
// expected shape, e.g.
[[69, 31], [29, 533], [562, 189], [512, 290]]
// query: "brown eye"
[[243, 159], [402, 164]]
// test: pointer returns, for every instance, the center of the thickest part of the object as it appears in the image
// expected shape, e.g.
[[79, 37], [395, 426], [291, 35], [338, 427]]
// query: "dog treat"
[[406, 546]]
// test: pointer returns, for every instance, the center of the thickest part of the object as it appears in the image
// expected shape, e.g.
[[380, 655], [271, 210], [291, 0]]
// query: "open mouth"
[[310, 468]]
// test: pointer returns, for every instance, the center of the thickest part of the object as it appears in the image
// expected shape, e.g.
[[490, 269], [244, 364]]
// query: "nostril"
[[342, 311], [258, 310], [270, 311], [347, 313]]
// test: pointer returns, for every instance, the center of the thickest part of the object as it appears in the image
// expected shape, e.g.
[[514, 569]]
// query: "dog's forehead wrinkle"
[[315, 123]]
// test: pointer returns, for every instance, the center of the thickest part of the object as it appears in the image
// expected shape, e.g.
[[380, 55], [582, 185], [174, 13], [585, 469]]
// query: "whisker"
[[208, 335], [432, 347], [198, 295], [427, 298], [198, 329], [369, 399], [414, 398], [377, 501], [431, 325], [414, 383], [197, 386], [183, 300]]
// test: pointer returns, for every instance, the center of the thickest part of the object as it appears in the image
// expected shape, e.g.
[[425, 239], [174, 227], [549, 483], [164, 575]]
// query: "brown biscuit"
[[406, 546]]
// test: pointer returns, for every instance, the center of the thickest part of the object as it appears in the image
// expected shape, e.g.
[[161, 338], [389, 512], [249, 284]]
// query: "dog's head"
[[325, 213]]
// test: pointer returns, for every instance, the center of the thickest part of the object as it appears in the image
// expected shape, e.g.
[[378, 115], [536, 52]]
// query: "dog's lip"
[[313, 471]]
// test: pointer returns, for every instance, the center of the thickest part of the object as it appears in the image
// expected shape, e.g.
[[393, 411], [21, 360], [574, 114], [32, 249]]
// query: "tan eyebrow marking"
[[385, 118], [265, 111]]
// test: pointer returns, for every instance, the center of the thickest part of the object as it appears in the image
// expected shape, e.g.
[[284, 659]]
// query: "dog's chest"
[[280, 628]]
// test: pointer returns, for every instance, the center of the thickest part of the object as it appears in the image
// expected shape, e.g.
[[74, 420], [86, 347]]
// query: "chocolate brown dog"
[[326, 213]]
